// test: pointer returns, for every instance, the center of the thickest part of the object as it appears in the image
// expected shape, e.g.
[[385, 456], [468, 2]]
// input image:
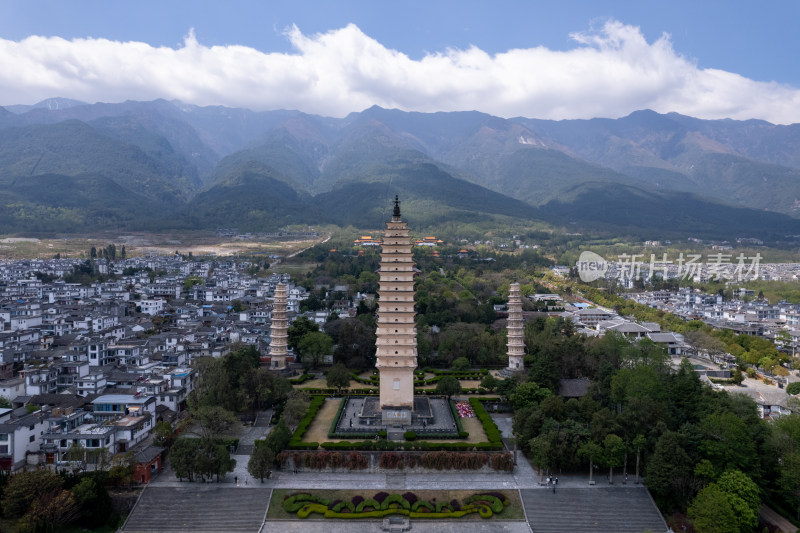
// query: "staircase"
[[198, 508], [622, 510]]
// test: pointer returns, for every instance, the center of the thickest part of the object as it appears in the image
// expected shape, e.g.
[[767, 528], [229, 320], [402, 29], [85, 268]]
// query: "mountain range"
[[67, 166]]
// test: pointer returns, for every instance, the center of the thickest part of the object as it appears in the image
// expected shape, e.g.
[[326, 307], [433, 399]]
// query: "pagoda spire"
[[396, 213]]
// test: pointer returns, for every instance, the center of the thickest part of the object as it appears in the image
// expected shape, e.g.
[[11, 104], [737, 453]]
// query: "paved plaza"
[[576, 506], [431, 415]]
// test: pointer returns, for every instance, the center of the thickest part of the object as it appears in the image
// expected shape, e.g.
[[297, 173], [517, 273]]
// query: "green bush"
[[443, 505], [422, 503], [344, 503], [457, 418], [368, 503], [410, 435], [311, 508], [395, 498], [299, 445], [487, 499]]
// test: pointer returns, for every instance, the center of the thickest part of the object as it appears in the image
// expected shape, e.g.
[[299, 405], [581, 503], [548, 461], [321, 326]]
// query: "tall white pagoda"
[[278, 335], [396, 334], [516, 343]]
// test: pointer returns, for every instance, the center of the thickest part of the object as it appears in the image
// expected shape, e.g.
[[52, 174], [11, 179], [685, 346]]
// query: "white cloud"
[[609, 73]]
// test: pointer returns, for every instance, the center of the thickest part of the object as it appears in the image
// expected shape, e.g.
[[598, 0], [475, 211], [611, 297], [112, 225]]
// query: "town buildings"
[[98, 365]]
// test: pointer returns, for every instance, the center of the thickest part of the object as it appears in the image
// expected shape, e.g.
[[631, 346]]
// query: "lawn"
[[513, 511]]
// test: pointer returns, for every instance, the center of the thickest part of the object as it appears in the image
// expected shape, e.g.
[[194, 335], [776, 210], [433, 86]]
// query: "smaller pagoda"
[[516, 343], [278, 335]]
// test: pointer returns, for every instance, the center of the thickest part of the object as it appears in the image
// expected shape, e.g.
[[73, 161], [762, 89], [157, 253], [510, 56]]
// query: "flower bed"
[[464, 409], [413, 505]]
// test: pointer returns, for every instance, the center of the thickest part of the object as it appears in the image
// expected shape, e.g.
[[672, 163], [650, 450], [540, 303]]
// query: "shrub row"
[[368, 436], [301, 379], [422, 445], [332, 429], [457, 418], [440, 372], [489, 427], [372, 380], [329, 391], [295, 443]]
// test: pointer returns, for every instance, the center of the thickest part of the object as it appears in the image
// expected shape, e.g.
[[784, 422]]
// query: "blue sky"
[[712, 59]]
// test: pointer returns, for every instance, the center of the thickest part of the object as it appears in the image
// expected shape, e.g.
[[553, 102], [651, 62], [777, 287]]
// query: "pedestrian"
[[245, 482], [236, 480], [351, 422], [548, 481]]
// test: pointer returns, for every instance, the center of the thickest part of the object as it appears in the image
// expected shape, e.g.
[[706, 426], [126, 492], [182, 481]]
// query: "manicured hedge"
[[296, 442], [383, 504], [492, 433], [301, 379], [457, 418], [422, 445], [332, 430]]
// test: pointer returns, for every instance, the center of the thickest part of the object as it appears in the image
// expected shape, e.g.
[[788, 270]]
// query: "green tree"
[[182, 457], [613, 452], [94, 502], [526, 394], [260, 463], [639, 443], [338, 376], [590, 451], [793, 388], [448, 386], [299, 329], [213, 421], [744, 497], [162, 433], [542, 452], [711, 512], [489, 382], [49, 511], [23, 488], [213, 459], [279, 437], [5, 403], [355, 342], [296, 406], [314, 345], [670, 472], [460, 364]]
